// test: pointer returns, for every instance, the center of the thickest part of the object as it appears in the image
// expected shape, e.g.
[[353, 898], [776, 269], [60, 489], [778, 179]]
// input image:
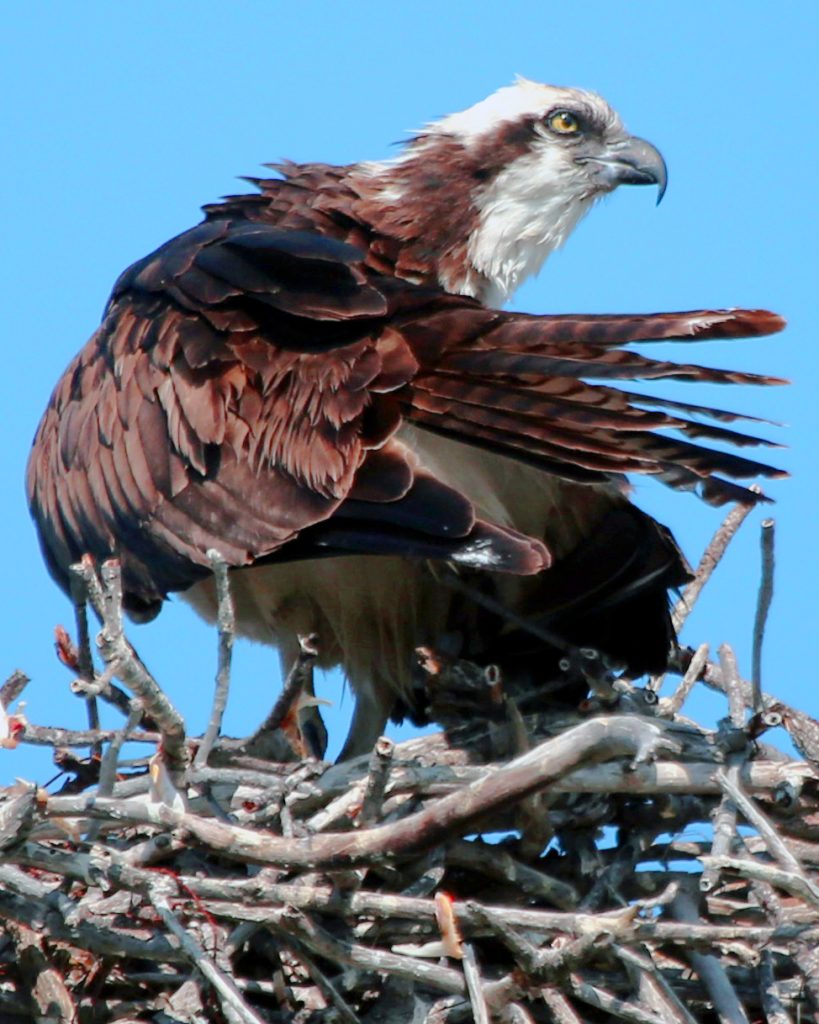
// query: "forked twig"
[[117, 651]]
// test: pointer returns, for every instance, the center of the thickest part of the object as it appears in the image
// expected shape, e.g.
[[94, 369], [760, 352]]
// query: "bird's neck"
[[471, 231], [422, 211]]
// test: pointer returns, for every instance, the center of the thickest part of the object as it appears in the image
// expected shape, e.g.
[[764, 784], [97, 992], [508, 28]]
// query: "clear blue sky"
[[121, 119]]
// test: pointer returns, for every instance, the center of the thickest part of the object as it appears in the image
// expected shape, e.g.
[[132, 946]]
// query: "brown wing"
[[237, 394], [244, 390]]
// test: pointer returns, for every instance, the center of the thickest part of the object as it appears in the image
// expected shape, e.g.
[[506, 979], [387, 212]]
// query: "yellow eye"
[[563, 122]]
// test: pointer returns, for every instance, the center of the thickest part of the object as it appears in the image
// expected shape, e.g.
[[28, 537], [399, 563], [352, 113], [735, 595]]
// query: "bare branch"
[[85, 662], [13, 687], [226, 629], [710, 970], [377, 776], [229, 995], [766, 586], [596, 739], [754, 816], [709, 561], [775, 1012], [692, 675], [475, 986], [116, 650]]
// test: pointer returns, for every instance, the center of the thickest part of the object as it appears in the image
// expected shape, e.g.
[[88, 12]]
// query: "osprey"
[[318, 374]]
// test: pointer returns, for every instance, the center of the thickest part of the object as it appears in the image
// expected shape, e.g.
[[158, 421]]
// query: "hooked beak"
[[630, 162]]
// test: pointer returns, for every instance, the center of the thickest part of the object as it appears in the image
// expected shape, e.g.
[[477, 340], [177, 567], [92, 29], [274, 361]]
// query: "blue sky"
[[120, 120]]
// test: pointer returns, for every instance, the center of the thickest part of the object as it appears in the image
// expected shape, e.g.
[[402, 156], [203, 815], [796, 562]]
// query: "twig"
[[497, 864], [733, 685], [108, 767], [545, 922], [115, 649], [51, 736], [225, 622], [229, 995], [326, 986], [443, 978], [775, 1012], [37, 915], [13, 687], [609, 1003], [709, 561], [710, 970], [102, 687], [725, 830], [377, 776], [85, 663], [692, 675], [653, 987], [17, 815], [754, 816], [533, 817], [551, 964], [559, 1006], [49, 995], [802, 729], [766, 586], [725, 819], [629, 854], [791, 881], [474, 985]]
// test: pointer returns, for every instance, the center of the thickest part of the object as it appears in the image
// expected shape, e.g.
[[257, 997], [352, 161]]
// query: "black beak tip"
[[661, 177], [632, 161], [644, 165]]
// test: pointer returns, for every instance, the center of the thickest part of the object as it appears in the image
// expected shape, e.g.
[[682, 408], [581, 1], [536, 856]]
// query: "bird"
[[319, 382]]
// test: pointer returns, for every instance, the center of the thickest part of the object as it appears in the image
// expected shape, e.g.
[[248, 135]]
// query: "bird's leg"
[[311, 733], [295, 717], [311, 724], [369, 720]]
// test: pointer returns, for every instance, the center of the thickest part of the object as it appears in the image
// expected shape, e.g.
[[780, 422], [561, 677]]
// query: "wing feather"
[[520, 384]]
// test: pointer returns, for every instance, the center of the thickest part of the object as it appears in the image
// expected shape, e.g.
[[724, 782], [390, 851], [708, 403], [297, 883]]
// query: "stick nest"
[[617, 862]]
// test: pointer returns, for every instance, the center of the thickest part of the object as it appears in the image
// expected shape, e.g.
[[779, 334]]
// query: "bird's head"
[[532, 159], [563, 137]]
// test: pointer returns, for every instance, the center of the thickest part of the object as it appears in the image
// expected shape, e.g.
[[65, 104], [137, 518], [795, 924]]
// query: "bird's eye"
[[564, 122]]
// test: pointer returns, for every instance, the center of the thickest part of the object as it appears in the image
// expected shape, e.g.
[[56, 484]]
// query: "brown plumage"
[[314, 371]]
